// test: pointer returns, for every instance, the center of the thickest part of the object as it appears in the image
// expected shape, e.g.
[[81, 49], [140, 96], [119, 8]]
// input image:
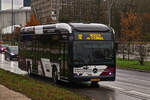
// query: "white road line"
[[131, 93], [113, 87], [127, 86], [139, 93], [134, 84], [132, 79]]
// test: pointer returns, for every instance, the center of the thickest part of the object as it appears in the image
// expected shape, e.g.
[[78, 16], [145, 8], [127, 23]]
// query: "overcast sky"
[[6, 4]]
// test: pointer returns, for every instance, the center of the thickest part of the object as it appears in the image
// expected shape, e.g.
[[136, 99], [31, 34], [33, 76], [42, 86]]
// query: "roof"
[[90, 27], [51, 28]]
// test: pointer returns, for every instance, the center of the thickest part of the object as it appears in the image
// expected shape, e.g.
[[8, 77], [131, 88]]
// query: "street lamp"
[[109, 4], [12, 11], [12, 5]]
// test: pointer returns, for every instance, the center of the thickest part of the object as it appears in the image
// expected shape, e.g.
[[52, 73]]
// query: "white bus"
[[74, 52]]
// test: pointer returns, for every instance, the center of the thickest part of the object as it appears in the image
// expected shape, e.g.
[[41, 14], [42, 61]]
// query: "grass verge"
[[133, 64], [36, 90]]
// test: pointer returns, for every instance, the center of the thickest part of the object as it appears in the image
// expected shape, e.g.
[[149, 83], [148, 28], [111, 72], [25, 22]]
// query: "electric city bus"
[[75, 52]]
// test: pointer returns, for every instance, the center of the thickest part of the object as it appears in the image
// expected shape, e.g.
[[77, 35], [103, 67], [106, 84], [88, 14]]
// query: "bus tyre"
[[29, 71], [55, 75], [29, 68]]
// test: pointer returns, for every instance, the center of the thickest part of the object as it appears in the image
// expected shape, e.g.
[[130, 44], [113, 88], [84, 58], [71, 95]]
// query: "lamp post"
[[12, 5], [109, 4], [58, 8]]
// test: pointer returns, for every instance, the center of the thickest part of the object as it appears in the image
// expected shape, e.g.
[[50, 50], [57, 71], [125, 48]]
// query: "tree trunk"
[[129, 51], [142, 61]]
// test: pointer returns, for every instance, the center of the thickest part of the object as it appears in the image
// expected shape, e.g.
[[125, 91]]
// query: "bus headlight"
[[110, 73]]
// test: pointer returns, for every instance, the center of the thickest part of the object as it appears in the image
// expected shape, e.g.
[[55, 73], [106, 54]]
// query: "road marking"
[[122, 78], [131, 78], [113, 87], [131, 93], [132, 85], [139, 93]]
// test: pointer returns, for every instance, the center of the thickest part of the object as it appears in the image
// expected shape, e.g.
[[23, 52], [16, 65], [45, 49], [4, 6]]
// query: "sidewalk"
[[7, 94]]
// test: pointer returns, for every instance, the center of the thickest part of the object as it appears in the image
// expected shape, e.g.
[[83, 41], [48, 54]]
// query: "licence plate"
[[95, 79]]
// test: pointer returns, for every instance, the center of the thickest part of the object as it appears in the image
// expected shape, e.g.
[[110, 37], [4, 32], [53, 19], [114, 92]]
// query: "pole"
[[109, 4], [109, 10], [58, 10], [12, 22]]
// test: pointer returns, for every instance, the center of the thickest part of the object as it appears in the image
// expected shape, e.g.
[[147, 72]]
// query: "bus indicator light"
[[80, 36], [95, 80]]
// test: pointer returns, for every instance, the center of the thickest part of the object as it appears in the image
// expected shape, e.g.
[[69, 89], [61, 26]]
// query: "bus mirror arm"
[[116, 47]]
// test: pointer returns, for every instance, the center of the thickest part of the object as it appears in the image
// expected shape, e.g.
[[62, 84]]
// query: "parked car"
[[11, 53], [3, 47]]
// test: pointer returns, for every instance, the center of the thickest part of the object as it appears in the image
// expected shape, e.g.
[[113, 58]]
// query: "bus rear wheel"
[[29, 68], [29, 71], [55, 75]]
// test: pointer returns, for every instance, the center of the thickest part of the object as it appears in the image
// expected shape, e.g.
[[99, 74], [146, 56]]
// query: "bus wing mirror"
[[59, 59]]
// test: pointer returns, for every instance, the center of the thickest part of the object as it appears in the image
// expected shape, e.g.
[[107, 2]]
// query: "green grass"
[[36, 90], [133, 64]]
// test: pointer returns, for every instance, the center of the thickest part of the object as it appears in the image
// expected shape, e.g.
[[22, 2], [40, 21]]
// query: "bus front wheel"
[[94, 83]]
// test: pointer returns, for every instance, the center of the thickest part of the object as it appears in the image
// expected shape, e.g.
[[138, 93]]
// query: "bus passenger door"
[[34, 55], [63, 59]]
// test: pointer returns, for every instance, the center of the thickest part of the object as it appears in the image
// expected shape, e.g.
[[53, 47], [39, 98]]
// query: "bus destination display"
[[93, 36]]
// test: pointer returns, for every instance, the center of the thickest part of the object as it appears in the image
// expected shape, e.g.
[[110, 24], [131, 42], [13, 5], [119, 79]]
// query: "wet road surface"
[[129, 85], [11, 66]]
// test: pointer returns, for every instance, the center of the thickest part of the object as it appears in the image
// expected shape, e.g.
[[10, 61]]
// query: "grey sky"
[[6, 4]]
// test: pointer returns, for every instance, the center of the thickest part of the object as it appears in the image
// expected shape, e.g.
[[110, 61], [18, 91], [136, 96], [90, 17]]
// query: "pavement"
[[5, 93]]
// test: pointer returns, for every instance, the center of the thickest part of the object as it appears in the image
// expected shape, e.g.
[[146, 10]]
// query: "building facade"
[[52, 11], [20, 17], [0, 4]]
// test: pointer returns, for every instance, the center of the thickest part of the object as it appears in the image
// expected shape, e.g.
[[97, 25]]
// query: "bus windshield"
[[93, 52]]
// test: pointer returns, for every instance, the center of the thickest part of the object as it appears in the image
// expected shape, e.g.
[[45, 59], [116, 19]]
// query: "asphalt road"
[[11, 66], [129, 85]]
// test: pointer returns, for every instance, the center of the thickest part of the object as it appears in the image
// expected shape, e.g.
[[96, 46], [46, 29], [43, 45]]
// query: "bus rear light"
[[108, 71]]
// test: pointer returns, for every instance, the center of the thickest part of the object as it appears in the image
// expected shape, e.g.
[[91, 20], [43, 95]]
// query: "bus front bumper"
[[94, 78]]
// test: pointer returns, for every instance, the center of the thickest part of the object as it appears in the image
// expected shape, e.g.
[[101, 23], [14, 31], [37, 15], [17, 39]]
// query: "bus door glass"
[[34, 54], [64, 59]]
